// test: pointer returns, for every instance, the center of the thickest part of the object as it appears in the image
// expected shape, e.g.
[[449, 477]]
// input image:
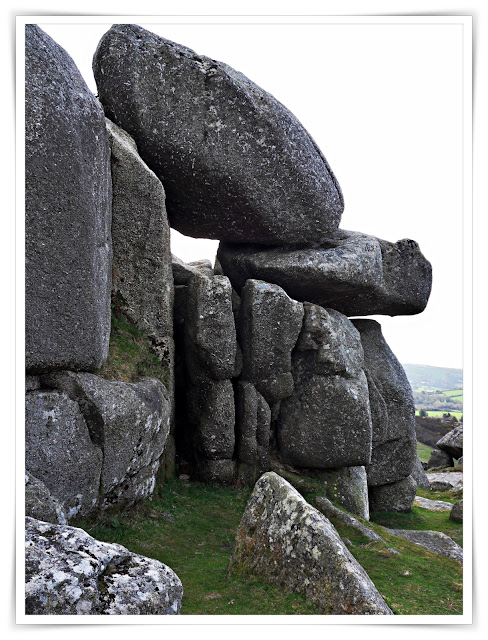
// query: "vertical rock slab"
[[268, 328], [142, 281], [235, 163], [326, 422], [392, 409], [349, 488], [60, 453], [282, 539], [68, 213], [253, 419], [67, 572]]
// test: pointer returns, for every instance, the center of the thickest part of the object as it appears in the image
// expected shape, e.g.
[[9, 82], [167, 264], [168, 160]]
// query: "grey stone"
[[210, 334], [349, 488], [398, 496], [253, 419], [235, 163], [460, 462], [285, 541], [456, 514], [68, 211], [392, 409], [450, 480], [217, 471], [211, 410], [326, 421], [452, 442], [419, 475], [432, 505], [32, 383], [268, 328], [39, 502], [439, 460], [329, 510], [351, 272], [142, 279], [183, 272], [434, 541], [70, 573], [60, 453], [130, 422]]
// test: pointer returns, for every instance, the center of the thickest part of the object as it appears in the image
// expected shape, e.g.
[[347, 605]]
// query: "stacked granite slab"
[[96, 232], [310, 386]]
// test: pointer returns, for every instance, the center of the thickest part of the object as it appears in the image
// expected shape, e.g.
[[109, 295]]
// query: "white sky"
[[384, 102]]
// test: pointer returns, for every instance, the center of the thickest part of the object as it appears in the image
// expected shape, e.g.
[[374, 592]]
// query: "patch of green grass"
[[423, 452], [130, 355], [439, 414]]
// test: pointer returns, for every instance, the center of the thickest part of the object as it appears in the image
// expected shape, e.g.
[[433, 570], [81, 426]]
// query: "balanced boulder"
[[285, 541], [235, 163], [68, 212], [67, 572], [452, 442], [439, 460], [351, 272]]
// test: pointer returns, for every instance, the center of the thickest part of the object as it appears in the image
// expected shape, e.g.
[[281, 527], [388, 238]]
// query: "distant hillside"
[[421, 375]]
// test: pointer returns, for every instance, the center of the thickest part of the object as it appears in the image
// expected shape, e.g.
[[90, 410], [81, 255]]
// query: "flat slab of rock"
[[446, 480], [434, 541], [68, 213], [351, 272], [70, 573], [432, 505], [452, 442], [235, 163], [284, 540], [331, 511]]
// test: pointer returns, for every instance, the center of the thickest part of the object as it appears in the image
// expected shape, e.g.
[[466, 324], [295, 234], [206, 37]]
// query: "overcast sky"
[[384, 102]]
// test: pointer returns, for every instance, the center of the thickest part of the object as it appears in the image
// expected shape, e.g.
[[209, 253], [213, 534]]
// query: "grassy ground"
[[439, 414], [423, 452], [191, 528]]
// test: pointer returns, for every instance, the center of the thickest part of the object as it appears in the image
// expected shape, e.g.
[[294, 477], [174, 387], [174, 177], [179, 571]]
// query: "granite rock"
[[253, 418], [285, 541], [68, 213], [434, 541], [349, 488], [456, 514], [331, 511], [235, 163], [439, 460], [39, 502], [397, 496], [452, 442], [419, 475], [183, 272]]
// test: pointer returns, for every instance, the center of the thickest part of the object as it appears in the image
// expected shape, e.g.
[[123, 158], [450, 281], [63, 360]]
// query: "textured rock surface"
[[351, 272], [235, 163], [183, 272], [284, 540], [439, 460], [142, 279], [253, 418], [130, 423], [268, 328], [434, 541], [457, 511], [419, 475], [210, 334], [60, 453], [217, 471], [68, 211], [452, 442], [432, 505], [70, 573], [446, 480], [329, 510], [40, 504], [349, 487], [398, 496], [326, 422], [392, 409]]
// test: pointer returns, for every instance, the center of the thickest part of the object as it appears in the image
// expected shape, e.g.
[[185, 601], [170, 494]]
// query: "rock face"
[[329, 510], [129, 422], [326, 422], [398, 496], [183, 272], [446, 480], [68, 213], [253, 419], [351, 272], [432, 505], [456, 514], [434, 541], [452, 442], [284, 540], [70, 573], [439, 460], [142, 283], [235, 163], [392, 409], [419, 475], [40, 504], [349, 487]]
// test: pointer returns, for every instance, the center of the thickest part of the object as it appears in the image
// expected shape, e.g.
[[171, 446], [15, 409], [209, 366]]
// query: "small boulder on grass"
[[285, 541], [456, 514]]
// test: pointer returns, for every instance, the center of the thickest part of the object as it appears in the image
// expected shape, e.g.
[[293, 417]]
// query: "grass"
[[439, 414], [191, 528], [130, 355], [423, 452]]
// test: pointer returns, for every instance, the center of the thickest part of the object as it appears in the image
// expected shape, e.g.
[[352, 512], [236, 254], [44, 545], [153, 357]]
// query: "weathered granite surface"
[[419, 475], [331, 511], [446, 480], [351, 272], [434, 541], [285, 541], [452, 442], [392, 409], [432, 505], [68, 213], [70, 573], [397, 496], [326, 422], [39, 502], [457, 511], [183, 272], [235, 163], [253, 418], [349, 487], [439, 460]]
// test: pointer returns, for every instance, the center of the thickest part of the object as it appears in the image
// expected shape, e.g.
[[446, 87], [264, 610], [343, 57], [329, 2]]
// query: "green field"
[[439, 414], [423, 452]]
